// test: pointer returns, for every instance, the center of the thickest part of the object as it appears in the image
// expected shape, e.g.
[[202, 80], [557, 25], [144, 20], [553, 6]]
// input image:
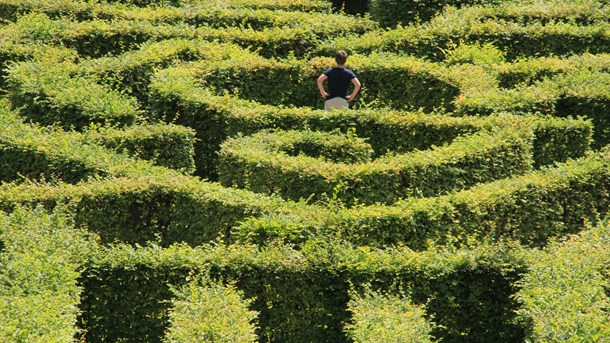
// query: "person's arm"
[[321, 80], [357, 86]]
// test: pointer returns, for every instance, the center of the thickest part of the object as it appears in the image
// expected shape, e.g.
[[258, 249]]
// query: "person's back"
[[339, 79]]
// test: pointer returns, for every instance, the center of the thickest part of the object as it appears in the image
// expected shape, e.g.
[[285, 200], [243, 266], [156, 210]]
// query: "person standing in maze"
[[339, 79]]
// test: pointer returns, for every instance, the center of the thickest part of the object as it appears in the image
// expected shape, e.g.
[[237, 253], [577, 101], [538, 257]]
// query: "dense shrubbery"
[[387, 318], [41, 258], [303, 295], [215, 118], [205, 311], [433, 39], [273, 163], [393, 12], [439, 188], [565, 292], [530, 208]]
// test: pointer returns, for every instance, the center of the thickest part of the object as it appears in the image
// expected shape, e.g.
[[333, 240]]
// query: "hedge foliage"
[[205, 311], [165, 208], [276, 163], [211, 14], [170, 145], [390, 13], [565, 293], [131, 72], [387, 318], [46, 92], [178, 98], [433, 39], [530, 208], [37, 153], [40, 262], [98, 37], [289, 5], [302, 296], [576, 87]]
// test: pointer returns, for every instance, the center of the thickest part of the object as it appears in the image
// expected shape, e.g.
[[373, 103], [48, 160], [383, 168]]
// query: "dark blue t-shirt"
[[338, 81]]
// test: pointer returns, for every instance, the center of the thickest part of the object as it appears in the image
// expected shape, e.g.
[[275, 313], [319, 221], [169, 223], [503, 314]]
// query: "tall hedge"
[[46, 92], [302, 296], [565, 292], [275, 163], [530, 208], [41, 260], [390, 13], [171, 145], [176, 97]]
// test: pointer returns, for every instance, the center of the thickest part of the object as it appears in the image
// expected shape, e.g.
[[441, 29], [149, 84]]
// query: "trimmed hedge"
[[433, 39], [40, 263], [165, 208], [274, 163], [390, 13], [580, 91], [132, 71], [11, 52], [36, 153], [302, 296], [170, 145], [584, 12], [387, 318], [565, 293], [47, 93], [98, 38], [214, 118], [212, 14], [93, 38], [289, 5], [530, 208], [391, 80], [205, 311]]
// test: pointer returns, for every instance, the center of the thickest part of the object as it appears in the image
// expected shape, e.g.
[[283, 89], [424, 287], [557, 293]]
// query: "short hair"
[[340, 57]]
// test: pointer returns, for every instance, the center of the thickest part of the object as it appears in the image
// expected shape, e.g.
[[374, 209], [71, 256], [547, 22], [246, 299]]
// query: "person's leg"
[[335, 103]]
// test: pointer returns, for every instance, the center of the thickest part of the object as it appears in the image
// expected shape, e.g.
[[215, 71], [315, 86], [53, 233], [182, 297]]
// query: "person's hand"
[[325, 95], [349, 98]]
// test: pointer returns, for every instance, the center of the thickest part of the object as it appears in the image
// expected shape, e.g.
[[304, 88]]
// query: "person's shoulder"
[[328, 71], [350, 72]]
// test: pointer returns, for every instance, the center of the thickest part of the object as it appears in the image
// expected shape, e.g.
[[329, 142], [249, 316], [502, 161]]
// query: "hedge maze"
[[168, 175]]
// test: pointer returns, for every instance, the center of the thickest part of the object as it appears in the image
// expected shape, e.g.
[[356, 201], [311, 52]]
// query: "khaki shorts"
[[336, 102]]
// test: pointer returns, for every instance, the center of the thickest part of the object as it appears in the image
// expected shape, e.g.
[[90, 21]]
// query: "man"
[[339, 79]]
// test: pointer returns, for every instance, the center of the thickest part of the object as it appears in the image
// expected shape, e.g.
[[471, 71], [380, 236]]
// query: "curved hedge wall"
[[271, 163], [41, 260], [565, 293]]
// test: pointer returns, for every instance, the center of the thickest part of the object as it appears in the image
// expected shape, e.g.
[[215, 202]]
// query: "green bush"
[[390, 13], [565, 292], [291, 5], [94, 38], [267, 163], [530, 208], [47, 93], [387, 318], [579, 92], [39, 265], [171, 145], [212, 14], [176, 97], [166, 208], [32, 152], [210, 312], [302, 296], [433, 39]]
